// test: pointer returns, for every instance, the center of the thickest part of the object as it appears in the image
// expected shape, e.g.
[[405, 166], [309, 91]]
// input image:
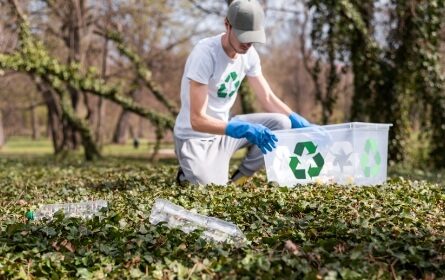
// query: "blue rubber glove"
[[256, 134], [298, 121], [319, 132]]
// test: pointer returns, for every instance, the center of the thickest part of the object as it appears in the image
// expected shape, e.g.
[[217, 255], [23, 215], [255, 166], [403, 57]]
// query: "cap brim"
[[257, 36]]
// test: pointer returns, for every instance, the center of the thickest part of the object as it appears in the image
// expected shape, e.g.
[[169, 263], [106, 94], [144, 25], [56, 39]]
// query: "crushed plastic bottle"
[[177, 217], [82, 209]]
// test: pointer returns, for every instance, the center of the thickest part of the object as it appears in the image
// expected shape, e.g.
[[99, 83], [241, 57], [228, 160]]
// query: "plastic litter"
[[85, 209], [177, 217]]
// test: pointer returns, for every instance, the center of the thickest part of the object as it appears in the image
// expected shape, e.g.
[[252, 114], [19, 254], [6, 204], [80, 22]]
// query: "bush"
[[312, 232]]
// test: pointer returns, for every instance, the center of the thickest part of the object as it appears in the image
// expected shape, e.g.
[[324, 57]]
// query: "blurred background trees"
[[87, 73]]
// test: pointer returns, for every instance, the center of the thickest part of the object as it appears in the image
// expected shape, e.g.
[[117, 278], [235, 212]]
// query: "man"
[[205, 138]]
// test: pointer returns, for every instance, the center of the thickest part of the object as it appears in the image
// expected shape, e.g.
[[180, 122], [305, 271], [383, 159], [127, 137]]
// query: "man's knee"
[[280, 121], [204, 175]]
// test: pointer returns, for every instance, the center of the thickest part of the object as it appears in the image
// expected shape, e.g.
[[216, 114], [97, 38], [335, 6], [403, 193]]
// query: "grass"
[[393, 231], [24, 146], [27, 148]]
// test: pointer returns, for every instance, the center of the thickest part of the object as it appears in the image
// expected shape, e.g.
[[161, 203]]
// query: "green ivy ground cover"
[[314, 232]]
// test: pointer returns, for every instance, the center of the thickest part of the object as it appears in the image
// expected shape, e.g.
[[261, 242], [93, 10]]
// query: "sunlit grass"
[[16, 146], [22, 146]]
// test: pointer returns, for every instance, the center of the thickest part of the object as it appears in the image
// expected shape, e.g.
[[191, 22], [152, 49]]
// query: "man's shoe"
[[239, 178], [180, 178]]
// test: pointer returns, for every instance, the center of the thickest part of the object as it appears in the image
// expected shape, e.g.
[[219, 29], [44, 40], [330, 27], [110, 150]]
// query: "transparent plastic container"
[[85, 209], [350, 153], [213, 229]]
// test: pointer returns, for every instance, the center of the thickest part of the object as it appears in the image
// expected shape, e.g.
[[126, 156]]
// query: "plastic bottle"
[[177, 217], [83, 209]]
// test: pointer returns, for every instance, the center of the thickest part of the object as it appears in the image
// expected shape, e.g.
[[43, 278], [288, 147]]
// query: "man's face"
[[239, 47]]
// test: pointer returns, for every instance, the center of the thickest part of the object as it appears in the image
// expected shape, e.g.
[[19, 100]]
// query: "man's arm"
[[199, 119], [254, 133], [267, 98], [271, 103]]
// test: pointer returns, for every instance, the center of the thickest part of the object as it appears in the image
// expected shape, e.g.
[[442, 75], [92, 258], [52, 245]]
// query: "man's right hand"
[[256, 134], [298, 121]]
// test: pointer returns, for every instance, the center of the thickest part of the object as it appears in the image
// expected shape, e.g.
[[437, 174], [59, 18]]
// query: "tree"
[[2, 132], [76, 21], [393, 79], [323, 67], [34, 59]]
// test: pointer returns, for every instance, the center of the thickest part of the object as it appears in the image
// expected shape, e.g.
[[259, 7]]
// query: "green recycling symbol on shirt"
[[230, 86], [313, 171], [371, 151]]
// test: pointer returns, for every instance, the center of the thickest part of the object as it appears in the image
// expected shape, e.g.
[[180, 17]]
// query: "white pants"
[[206, 160]]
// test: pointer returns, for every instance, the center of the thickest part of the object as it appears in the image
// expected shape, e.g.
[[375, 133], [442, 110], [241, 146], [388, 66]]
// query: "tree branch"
[[351, 13], [18, 10], [205, 10], [141, 70]]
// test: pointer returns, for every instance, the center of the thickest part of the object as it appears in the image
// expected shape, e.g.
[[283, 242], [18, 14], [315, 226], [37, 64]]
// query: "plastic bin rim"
[[340, 126]]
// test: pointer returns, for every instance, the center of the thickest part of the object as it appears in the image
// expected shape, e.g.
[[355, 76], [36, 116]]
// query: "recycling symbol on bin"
[[371, 152], [295, 161], [230, 86]]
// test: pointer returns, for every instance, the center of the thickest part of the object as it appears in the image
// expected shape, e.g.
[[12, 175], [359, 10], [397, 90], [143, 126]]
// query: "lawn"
[[23, 146], [396, 230]]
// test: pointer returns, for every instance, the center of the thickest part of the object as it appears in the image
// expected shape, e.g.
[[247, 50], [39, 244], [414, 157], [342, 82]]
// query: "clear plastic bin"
[[350, 153]]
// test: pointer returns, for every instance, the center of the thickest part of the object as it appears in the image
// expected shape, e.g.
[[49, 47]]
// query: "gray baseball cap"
[[247, 20]]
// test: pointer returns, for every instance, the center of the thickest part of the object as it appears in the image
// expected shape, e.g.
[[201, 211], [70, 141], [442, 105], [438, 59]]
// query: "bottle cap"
[[30, 215]]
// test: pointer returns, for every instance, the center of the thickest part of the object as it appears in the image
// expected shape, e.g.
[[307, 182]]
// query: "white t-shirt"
[[209, 64]]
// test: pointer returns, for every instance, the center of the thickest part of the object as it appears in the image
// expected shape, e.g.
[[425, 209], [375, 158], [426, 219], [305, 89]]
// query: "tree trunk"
[[2, 132], [140, 133], [101, 104], [55, 126], [34, 123], [75, 41], [437, 153], [72, 138], [64, 132], [120, 133], [101, 107], [90, 149]]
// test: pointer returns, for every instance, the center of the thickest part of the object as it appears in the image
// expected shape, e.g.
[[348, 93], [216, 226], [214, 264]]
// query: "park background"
[[89, 91]]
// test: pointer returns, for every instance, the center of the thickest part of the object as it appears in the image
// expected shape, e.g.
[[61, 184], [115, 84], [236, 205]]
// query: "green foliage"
[[311, 232], [418, 151], [395, 82], [33, 58]]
